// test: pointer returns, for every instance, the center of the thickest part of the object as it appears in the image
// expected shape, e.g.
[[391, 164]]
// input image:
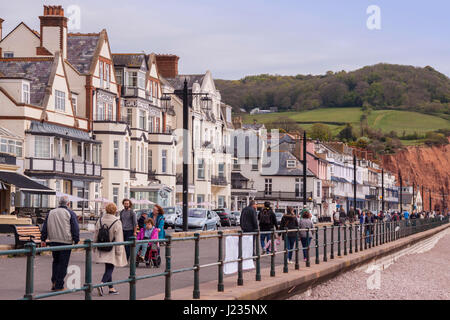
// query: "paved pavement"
[[13, 270]]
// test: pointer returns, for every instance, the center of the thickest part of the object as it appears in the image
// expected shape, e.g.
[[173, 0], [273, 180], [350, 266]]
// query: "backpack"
[[265, 217], [103, 236]]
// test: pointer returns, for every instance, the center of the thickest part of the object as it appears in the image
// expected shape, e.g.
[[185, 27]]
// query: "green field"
[[386, 120]]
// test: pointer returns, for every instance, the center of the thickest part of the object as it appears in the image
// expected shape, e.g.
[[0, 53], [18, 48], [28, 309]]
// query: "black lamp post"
[[401, 191], [185, 93], [354, 182], [305, 167], [431, 207], [382, 190]]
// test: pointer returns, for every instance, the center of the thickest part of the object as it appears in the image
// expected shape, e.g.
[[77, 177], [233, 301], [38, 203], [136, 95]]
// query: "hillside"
[[380, 87]]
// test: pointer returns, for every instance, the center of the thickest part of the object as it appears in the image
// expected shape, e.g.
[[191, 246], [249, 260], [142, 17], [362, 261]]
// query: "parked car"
[[198, 219], [217, 218], [170, 215], [236, 218], [225, 217]]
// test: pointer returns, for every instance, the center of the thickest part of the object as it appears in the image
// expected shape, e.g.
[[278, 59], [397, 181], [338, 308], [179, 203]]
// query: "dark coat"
[[249, 223], [291, 223], [273, 221]]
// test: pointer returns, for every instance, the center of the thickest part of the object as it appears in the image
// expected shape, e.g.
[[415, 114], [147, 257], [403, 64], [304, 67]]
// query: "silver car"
[[170, 215], [198, 219]]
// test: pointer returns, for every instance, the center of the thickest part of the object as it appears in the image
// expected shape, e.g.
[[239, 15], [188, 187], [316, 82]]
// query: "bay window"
[[142, 118], [43, 147]]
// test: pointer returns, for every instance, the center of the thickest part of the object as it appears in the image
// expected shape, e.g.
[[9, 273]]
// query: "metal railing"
[[351, 238]]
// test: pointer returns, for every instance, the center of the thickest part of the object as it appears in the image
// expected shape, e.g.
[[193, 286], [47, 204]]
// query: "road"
[[420, 272], [13, 270]]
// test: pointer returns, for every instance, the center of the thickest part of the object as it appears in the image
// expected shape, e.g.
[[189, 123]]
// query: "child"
[[147, 233]]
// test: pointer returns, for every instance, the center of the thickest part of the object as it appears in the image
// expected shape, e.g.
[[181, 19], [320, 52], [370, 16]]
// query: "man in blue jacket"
[[61, 229]]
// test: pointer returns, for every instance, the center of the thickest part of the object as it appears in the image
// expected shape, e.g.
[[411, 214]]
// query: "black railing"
[[371, 235], [219, 181]]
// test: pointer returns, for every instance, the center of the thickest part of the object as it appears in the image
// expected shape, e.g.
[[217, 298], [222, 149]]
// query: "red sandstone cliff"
[[426, 166]]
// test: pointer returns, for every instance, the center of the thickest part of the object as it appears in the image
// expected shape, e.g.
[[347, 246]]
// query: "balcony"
[[281, 195], [219, 181], [63, 166]]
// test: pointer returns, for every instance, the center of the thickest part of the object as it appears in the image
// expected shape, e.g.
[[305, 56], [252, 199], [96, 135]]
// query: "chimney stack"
[[167, 65], [53, 31], [1, 28]]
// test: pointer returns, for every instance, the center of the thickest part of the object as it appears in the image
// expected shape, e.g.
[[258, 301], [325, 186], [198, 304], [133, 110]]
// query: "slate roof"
[[178, 82], [81, 50], [45, 128], [36, 70], [129, 60], [283, 170]]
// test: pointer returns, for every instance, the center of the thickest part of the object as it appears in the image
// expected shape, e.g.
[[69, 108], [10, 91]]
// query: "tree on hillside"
[[347, 134], [320, 132], [285, 124]]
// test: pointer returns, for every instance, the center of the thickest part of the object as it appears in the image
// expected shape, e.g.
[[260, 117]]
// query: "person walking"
[[267, 222], [61, 229], [306, 236], [369, 221], [289, 222], [336, 218], [129, 223], [114, 256], [249, 221], [158, 216], [351, 215], [342, 216]]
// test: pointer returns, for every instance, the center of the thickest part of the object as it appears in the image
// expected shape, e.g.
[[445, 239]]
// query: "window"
[[132, 79], [130, 117], [25, 93], [42, 147], [201, 169], [101, 74], [116, 154], [8, 55], [75, 104], [141, 80], [319, 187], [119, 77], [107, 75], [127, 155], [200, 199], [58, 186], [19, 149], [221, 170], [150, 160], [79, 149], [100, 111], [142, 118], [125, 192], [298, 187], [86, 196], [255, 166], [164, 161], [143, 152], [3, 145], [116, 196], [157, 125], [291, 164], [151, 121], [268, 187], [60, 100], [221, 202]]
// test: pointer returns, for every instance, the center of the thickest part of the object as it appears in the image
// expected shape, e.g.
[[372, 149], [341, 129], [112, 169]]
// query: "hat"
[[267, 204]]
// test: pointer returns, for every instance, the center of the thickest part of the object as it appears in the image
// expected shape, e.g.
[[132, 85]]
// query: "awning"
[[24, 183]]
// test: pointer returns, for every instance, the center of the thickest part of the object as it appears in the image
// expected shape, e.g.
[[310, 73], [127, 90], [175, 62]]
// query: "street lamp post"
[[431, 207], [354, 182], [382, 190], [401, 191], [305, 167], [185, 93]]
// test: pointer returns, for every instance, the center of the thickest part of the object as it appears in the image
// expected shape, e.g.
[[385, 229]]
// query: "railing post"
[[240, 281], [332, 243], [345, 239], [132, 269], [384, 233], [88, 270], [356, 238], [297, 249], [371, 232], [308, 260], [168, 287], [325, 258], [350, 229], [361, 245], [31, 255], [317, 244], [220, 285], [196, 292], [285, 264], [272, 258], [339, 240], [258, 258]]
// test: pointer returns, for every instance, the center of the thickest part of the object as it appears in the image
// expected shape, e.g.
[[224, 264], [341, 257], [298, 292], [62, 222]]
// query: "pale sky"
[[237, 38]]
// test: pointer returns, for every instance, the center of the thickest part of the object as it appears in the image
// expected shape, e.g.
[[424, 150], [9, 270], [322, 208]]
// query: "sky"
[[235, 38]]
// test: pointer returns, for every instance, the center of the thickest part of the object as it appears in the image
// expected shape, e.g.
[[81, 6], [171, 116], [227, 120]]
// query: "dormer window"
[[291, 164], [60, 100], [26, 93]]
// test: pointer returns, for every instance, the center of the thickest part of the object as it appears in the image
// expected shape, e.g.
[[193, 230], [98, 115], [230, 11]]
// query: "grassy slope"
[[386, 120]]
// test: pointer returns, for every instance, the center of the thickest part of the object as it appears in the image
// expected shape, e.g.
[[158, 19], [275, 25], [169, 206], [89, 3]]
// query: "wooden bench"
[[25, 234]]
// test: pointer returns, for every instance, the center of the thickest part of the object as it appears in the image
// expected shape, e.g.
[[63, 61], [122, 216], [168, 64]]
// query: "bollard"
[[332, 243], [285, 266], [356, 238], [258, 258], [317, 244], [29, 285], [297, 249], [88, 270], [168, 286], [350, 229], [339, 240], [272, 258], [325, 259], [308, 261], [220, 285], [345, 239], [196, 292], [240, 281], [132, 268]]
